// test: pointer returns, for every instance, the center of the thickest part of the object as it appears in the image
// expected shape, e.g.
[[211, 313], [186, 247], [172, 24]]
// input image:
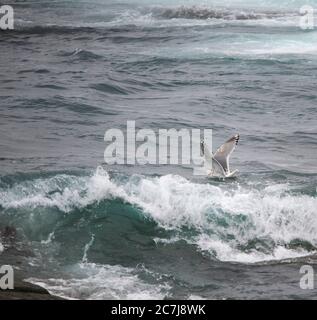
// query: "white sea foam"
[[99, 282], [194, 15], [225, 252], [63, 191], [226, 219], [1, 248], [195, 297], [87, 247], [49, 239]]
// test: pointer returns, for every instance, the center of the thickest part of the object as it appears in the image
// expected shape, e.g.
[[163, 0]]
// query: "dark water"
[[72, 69]]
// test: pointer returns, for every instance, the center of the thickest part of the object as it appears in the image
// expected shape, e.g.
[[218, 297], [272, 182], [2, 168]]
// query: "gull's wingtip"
[[237, 138]]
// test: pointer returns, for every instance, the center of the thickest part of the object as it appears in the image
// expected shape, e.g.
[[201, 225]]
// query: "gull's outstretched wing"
[[210, 163], [223, 153]]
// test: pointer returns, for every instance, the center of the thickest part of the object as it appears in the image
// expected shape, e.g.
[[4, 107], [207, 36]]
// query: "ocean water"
[[83, 229]]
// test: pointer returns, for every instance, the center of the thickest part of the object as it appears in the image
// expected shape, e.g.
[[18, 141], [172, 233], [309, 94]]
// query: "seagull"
[[217, 165]]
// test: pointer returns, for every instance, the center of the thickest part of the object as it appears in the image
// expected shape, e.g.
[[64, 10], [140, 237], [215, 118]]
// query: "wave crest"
[[204, 13], [231, 222]]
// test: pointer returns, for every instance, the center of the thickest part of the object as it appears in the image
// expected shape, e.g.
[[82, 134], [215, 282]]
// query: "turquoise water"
[[73, 69]]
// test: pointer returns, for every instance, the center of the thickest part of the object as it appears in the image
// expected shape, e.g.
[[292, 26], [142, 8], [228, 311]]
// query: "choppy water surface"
[[72, 69]]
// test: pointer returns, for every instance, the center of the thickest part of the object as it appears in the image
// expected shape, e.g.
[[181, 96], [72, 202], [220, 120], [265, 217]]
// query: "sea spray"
[[231, 222]]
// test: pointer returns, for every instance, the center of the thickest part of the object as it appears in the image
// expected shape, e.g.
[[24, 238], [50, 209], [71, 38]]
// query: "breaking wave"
[[196, 12], [229, 222], [167, 16]]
